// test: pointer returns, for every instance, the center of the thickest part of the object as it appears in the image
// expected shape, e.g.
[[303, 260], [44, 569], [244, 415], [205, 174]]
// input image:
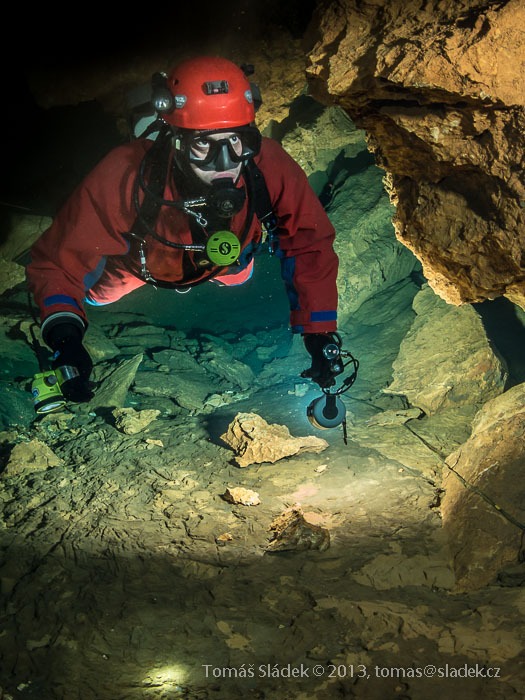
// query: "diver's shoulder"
[[272, 154], [270, 147], [130, 149], [121, 157]]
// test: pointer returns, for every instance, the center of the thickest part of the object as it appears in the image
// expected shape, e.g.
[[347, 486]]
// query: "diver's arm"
[[306, 235]]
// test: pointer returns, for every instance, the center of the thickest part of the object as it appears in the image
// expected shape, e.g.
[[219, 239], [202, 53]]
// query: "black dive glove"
[[66, 341], [326, 361]]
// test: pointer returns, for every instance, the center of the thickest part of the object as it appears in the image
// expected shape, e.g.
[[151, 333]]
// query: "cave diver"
[[193, 204]]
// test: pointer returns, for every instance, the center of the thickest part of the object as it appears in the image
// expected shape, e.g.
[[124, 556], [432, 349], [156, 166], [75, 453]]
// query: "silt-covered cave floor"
[[125, 573]]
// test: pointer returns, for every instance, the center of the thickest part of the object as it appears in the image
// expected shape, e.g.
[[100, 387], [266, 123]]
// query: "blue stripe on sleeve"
[[287, 273], [323, 316], [60, 299]]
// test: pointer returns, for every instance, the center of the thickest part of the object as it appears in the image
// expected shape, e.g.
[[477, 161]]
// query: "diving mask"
[[207, 152]]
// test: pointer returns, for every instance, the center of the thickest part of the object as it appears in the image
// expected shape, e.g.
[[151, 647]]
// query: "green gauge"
[[223, 248]]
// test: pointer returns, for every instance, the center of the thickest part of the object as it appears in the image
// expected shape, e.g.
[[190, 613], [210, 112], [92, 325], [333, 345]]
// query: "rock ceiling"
[[438, 86]]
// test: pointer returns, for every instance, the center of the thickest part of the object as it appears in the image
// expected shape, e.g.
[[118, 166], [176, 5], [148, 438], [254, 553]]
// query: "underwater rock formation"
[[446, 359], [255, 441], [483, 513], [438, 87], [291, 530], [29, 457], [130, 422]]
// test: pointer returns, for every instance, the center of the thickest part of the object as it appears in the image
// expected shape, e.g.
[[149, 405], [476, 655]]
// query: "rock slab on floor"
[[255, 441]]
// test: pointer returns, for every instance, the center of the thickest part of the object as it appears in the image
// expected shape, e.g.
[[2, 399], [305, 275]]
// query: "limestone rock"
[[242, 496], [370, 257], [395, 417], [446, 359], [113, 389], [11, 274], [323, 135], [33, 456], [443, 108], [16, 406], [188, 381], [396, 569], [130, 421], [99, 346], [130, 335], [255, 441], [188, 389], [218, 361], [292, 531], [483, 540], [19, 232], [377, 329]]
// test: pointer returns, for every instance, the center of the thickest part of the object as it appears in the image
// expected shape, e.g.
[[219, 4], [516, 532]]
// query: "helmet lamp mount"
[[215, 87], [161, 97]]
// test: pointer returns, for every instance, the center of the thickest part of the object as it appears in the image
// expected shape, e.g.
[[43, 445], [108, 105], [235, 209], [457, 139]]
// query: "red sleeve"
[[67, 259], [308, 261]]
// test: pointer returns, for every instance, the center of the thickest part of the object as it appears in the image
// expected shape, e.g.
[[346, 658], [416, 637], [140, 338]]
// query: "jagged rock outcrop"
[[482, 510], [446, 360], [334, 155], [255, 441], [11, 274], [114, 383], [30, 457], [438, 86], [131, 422], [19, 232]]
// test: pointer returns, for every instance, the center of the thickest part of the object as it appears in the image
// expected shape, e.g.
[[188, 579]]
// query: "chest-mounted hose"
[[213, 246]]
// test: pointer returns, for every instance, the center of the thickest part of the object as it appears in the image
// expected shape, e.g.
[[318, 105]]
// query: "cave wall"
[[439, 88]]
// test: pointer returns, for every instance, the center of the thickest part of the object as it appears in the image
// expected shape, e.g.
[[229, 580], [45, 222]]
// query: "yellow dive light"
[[47, 394]]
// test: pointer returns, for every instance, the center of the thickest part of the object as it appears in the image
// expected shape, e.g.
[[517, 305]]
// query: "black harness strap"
[[157, 159], [263, 204]]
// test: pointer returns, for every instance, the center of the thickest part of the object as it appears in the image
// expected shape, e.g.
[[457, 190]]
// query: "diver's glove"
[[326, 359], [65, 339]]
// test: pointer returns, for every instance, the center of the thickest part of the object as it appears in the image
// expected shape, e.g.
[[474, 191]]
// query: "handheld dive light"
[[328, 415], [328, 411], [46, 388]]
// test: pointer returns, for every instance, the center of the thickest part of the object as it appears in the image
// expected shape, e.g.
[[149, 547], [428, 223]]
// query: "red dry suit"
[[86, 255]]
